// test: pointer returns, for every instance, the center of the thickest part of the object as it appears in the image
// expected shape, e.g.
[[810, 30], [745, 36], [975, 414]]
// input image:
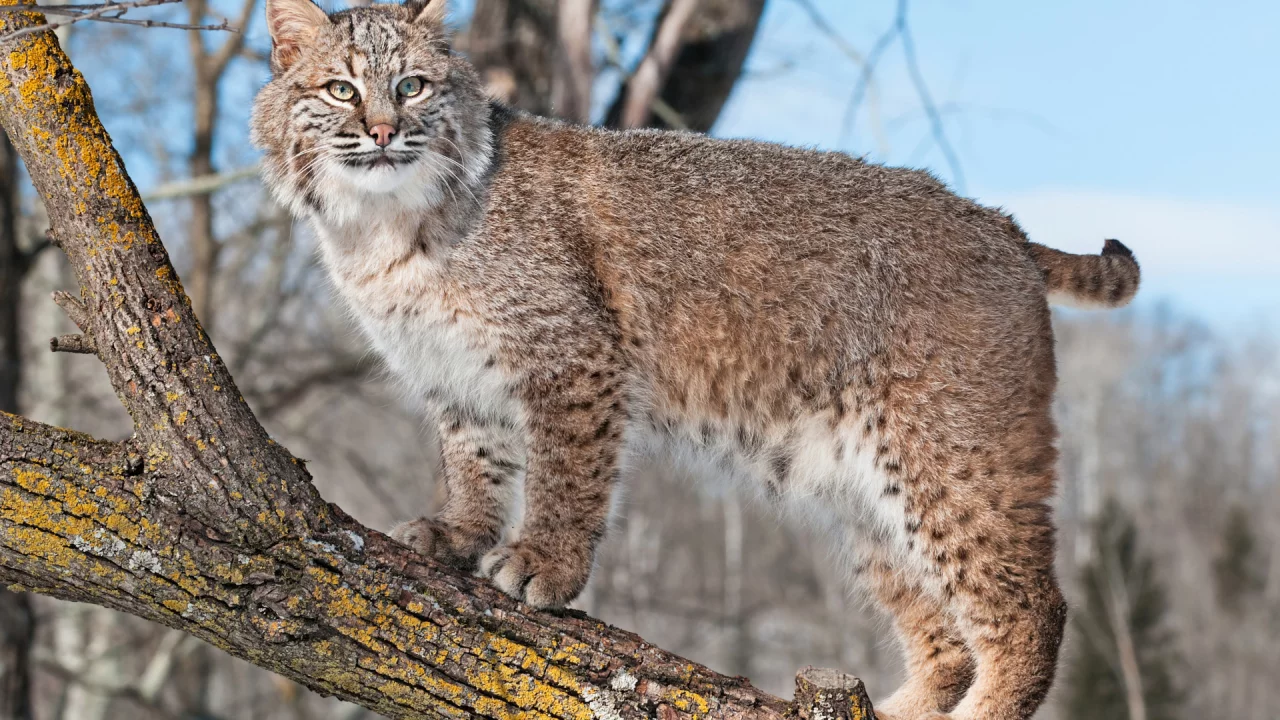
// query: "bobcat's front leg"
[[574, 417], [482, 463]]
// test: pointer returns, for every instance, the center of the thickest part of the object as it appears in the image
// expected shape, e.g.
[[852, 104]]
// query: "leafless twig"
[[865, 63], [110, 12], [922, 90], [82, 344], [201, 185], [865, 85]]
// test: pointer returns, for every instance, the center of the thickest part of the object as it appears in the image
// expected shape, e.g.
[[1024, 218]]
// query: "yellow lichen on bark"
[[52, 87]]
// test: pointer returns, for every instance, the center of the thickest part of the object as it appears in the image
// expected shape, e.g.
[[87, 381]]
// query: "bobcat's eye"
[[342, 90], [409, 87]]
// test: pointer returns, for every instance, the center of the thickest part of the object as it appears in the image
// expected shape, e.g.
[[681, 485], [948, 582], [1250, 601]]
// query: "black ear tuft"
[[1115, 247]]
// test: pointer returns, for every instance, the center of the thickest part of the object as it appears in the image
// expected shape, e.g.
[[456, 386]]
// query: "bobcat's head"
[[367, 107]]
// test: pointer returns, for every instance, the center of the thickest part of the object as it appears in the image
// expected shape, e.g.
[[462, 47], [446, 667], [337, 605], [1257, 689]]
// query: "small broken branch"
[[74, 309], [75, 343], [81, 343], [831, 695]]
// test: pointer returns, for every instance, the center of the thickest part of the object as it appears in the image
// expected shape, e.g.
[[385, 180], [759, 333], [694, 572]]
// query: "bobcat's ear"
[[428, 13], [293, 24]]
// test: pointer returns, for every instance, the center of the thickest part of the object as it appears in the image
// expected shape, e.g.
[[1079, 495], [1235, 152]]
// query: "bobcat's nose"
[[381, 134]]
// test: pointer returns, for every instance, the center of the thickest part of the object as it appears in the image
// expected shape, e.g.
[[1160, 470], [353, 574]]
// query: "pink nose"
[[382, 133]]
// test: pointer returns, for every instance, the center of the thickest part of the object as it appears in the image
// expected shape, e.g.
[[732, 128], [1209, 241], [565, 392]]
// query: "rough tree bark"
[[202, 523]]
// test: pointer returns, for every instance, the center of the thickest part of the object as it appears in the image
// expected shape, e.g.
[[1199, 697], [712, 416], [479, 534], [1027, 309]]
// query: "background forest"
[[1169, 501]]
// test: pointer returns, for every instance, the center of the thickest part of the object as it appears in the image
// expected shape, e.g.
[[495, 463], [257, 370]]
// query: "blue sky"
[[1151, 122]]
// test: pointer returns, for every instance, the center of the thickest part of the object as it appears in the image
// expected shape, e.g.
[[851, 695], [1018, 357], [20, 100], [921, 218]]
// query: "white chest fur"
[[428, 332]]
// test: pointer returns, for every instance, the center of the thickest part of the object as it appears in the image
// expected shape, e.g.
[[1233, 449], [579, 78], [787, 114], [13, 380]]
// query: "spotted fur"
[[855, 345]]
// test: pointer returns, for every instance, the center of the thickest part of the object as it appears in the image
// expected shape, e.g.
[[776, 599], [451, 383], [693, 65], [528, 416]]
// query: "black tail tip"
[[1115, 247]]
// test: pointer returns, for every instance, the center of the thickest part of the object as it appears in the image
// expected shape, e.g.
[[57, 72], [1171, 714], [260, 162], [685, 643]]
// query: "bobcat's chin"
[[384, 177]]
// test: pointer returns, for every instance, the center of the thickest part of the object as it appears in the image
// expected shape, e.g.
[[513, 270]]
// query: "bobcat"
[[856, 344]]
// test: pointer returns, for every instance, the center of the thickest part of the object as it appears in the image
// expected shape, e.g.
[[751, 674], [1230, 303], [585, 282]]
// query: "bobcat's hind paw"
[[442, 542], [535, 577]]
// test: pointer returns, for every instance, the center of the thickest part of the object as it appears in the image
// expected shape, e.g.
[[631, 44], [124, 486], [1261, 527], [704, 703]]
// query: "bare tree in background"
[[696, 55], [210, 66], [511, 43], [536, 55]]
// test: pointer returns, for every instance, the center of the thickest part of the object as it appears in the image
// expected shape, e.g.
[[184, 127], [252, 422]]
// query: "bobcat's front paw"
[[443, 542], [532, 575]]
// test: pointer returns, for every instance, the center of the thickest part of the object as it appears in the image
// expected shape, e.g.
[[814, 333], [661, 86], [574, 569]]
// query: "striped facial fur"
[[367, 107]]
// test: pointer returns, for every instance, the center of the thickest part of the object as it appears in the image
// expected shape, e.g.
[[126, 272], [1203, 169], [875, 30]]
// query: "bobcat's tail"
[[1108, 280]]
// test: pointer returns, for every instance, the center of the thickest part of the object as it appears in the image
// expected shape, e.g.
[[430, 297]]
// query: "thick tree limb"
[[202, 523]]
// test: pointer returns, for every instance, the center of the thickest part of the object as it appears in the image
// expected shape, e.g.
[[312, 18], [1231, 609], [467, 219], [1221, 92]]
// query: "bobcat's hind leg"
[[1012, 615], [482, 464], [939, 666]]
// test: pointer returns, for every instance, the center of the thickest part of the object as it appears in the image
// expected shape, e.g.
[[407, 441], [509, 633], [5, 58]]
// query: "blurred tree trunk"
[[512, 44], [17, 624], [17, 632], [573, 70], [13, 266], [532, 55], [208, 66], [713, 45]]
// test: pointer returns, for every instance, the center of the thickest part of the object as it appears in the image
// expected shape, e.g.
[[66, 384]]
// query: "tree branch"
[[866, 67], [79, 344], [202, 185], [111, 12], [204, 524], [234, 44]]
